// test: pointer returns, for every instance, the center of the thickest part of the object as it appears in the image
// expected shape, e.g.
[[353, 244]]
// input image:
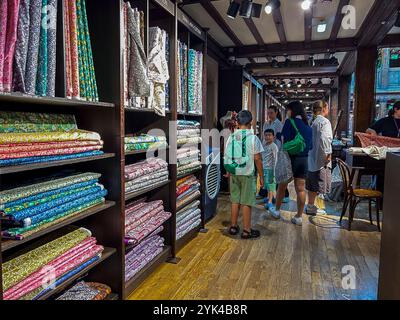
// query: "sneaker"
[[286, 200], [313, 210], [275, 213], [266, 200], [268, 206], [297, 221]]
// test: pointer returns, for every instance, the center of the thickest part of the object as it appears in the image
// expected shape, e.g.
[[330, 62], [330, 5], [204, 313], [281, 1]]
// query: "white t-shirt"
[[322, 143], [253, 147]]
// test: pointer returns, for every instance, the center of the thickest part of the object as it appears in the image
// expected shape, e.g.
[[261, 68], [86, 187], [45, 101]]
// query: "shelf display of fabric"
[[145, 173], [29, 209], [158, 70], [187, 190], [195, 82], [27, 138], [80, 71], [86, 291], [141, 255], [167, 84], [143, 219], [136, 78], [28, 46], [23, 276], [187, 219], [144, 142], [182, 76]]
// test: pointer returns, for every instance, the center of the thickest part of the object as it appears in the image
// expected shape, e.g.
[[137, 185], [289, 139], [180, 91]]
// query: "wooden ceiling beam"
[[308, 15], [294, 48], [380, 19], [280, 29], [338, 20], [391, 41], [254, 31], [348, 65], [299, 76]]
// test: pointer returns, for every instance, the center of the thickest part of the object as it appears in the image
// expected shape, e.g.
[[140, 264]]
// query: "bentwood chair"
[[353, 196]]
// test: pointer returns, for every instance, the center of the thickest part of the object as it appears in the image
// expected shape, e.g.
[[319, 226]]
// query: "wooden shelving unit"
[[112, 121]]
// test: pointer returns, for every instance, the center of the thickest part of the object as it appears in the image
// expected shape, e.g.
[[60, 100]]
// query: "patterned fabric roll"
[[3, 37], [68, 62], [21, 47], [188, 207], [29, 147], [20, 267], [80, 291], [141, 220], [73, 42], [35, 12], [11, 39], [194, 215], [52, 50], [187, 228], [41, 78]]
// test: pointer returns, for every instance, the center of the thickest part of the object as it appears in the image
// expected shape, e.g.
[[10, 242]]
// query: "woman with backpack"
[[297, 141]]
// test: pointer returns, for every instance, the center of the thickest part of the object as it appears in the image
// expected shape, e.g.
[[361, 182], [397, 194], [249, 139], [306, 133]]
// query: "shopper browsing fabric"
[[269, 157], [388, 126], [242, 152], [319, 175], [296, 123]]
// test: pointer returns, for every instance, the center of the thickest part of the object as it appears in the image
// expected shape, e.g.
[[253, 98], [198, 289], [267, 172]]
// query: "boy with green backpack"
[[242, 157]]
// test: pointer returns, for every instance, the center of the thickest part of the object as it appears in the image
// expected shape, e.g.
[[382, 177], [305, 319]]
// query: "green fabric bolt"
[[81, 53], [41, 78], [22, 266]]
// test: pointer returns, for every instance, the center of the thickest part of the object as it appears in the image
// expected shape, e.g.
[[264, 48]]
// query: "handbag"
[[297, 145], [283, 169], [231, 165]]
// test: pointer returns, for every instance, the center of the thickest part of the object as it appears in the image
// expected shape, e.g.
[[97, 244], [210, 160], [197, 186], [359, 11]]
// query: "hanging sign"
[[191, 25], [167, 5]]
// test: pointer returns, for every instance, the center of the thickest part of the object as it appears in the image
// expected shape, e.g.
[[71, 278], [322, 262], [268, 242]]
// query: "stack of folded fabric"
[[144, 142], [32, 208], [142, 255], [143, 219], [195, 82], [53, 263], [143, 174], [188, 156], [187, 219], [79, 66], [27, 138], [187, 190], [86, 291]]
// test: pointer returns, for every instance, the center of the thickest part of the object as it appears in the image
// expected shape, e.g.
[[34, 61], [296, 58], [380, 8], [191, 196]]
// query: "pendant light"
[[233, 9], [272, 5]]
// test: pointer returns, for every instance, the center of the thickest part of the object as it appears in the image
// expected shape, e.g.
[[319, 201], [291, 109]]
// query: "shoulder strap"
[[294, 125]]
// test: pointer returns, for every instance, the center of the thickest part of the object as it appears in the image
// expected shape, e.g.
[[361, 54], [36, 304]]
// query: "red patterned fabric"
[[51, 152], [367, 140]]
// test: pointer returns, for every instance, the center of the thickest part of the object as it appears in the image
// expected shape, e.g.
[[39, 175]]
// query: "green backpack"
[[237, 152], [297, 145]]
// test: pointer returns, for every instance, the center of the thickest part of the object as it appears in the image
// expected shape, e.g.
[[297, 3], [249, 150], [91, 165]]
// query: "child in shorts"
[[269, 157]]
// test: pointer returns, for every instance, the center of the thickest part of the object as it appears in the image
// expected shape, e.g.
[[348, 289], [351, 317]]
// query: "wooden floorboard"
[[287, 262]]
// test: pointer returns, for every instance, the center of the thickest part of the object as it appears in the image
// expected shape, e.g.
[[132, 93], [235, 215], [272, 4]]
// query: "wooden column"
[[364, 91], [344, 103], [334, 101]]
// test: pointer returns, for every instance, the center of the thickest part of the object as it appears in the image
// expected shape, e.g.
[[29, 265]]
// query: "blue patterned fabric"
[[30, 160]]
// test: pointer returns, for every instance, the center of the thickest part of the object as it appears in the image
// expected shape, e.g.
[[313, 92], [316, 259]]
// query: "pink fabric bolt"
[[11, 39], [3, 35], [72, 19]]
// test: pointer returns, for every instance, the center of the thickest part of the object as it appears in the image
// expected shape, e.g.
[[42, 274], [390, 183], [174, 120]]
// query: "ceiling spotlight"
[[309, 83], [397, 23], [286, 101], [301, 101], [256, 10], [274, 63], [287, 61], [291, 83], [321, 27], [307, 95], [299, 84], [306, 4], [332, 82], [246, 9], [319, 82], [233, 9], [272, 5], [283, 83]]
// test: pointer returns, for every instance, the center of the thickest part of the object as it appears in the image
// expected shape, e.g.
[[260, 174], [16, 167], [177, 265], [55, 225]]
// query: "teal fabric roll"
[[41, 78]]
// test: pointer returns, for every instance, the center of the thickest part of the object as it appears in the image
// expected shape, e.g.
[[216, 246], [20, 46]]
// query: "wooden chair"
[[352, 196]]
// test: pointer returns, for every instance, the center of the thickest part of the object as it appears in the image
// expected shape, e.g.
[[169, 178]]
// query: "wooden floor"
[[287, 262]]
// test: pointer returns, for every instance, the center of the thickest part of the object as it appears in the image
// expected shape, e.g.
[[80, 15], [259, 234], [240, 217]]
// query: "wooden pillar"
[[364, 91], [344, 103]]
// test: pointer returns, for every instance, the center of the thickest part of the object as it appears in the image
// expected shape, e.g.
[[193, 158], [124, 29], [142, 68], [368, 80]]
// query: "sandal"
[[252, 234], [234, 230]]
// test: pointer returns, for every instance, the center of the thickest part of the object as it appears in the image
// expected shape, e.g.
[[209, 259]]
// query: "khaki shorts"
[[243, 190], [319, 181]]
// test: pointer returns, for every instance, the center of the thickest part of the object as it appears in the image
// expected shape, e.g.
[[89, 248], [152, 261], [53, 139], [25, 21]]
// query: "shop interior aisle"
[[286, 263]]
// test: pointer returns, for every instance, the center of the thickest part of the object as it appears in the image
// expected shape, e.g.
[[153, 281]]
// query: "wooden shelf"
[[188, 174], [9, 244], [187, 238], [188, 202], [35, 166], [189, 114], [139, 110], [108, 252], [129, 153], [133, 283], [17, 97], [136, 194], [112, 296]]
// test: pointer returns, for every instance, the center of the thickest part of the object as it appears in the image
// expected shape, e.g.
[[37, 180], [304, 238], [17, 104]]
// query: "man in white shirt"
[[319, 176]]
